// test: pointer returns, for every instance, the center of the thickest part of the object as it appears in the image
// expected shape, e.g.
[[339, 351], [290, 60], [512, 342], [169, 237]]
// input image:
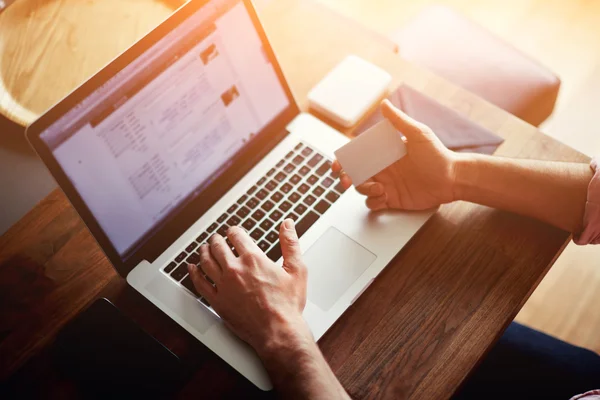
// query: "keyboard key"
[[180, 257], [170, 267], [261, 181], [231, 247], [309, 200], [300, 209], [231, 209], [262, 194], [203, 236], [234, 220], [251, 190], [194, 258], [292, 216], [280, 163], [252, 203], [277, 196], [285, 206], [298, 160], [289, 155], [272, 237], [271, 172], [213, 227], [324, 168], [271, 185], [295, 179], [191, 247], [289, 168], [275, 253], [303, 188], [180, 272], [187, 282], [294, 197], [315, 160], [322, 206], [339, 188], [223, 230], [266, 224], [258, 215], [242, 199], [280, 177], [286, 188], [305, 223], [276, 215], [318, 191], [208, 279], [222, 218], [301, 228], [243, 212], [312, 179], [298, 146], [249, 224], [257, 234], [304, 170], [307, 151], [264, 245], [332, 196], [327, 182], [268, 205]]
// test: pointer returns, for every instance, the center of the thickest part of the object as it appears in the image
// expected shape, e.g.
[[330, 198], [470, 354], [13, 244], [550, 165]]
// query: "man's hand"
[[263, 303], [259, 301], [422, 179]]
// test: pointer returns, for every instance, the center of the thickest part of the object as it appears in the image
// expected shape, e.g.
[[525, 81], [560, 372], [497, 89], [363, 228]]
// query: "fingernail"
[[288, 224], [190, 268]]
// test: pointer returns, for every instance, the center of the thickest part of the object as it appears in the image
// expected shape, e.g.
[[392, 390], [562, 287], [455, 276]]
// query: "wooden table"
[[417, 332]]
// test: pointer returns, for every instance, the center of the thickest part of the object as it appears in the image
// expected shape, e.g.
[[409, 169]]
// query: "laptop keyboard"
[[300, 186]]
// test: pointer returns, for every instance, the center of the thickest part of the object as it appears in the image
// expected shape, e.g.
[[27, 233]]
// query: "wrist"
[[465, 168], [286, 339]]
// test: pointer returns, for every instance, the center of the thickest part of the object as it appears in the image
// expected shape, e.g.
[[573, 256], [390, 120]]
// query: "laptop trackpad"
[[334, 263]]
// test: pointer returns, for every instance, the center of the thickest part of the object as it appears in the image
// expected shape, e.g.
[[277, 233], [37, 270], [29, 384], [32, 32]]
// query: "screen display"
[[162, 129]]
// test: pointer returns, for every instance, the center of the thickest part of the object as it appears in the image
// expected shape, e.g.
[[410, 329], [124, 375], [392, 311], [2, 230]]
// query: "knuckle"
[[289, 239], [216, 245], [234, 232], [248, 258]]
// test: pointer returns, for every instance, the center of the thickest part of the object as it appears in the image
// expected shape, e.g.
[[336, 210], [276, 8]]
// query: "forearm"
[[297, 368], [552, 192]]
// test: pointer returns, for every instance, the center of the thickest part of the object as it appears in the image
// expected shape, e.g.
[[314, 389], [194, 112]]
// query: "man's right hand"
[[422, 179]]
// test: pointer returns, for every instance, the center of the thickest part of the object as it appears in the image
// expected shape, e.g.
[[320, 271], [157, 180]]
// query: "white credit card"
[[371, 152]]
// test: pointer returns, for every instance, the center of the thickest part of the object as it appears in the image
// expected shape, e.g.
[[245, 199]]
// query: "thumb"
[[290, 246], [412, 129]]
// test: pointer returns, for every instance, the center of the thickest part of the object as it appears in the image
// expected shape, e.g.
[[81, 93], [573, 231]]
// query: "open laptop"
[[192, 130]]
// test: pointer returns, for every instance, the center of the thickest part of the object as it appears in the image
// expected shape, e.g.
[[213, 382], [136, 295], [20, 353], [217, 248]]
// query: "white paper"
[[371, 152]]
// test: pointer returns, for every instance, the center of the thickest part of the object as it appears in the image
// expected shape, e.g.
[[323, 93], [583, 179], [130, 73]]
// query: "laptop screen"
[[155, 135]]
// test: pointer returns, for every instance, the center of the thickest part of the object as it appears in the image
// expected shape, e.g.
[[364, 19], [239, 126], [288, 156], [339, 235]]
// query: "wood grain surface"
[[49, 47], [417, 332]]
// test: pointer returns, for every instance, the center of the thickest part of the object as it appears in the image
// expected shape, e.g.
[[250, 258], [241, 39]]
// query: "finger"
[[209, 265], [220, 251], [290, 247], [412, 129], [346, 180], [201, 284], [336, 166], [377, 203], [371, 189], [240, 239]]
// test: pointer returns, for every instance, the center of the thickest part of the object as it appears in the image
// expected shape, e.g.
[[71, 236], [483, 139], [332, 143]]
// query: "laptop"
[[192, 130]]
